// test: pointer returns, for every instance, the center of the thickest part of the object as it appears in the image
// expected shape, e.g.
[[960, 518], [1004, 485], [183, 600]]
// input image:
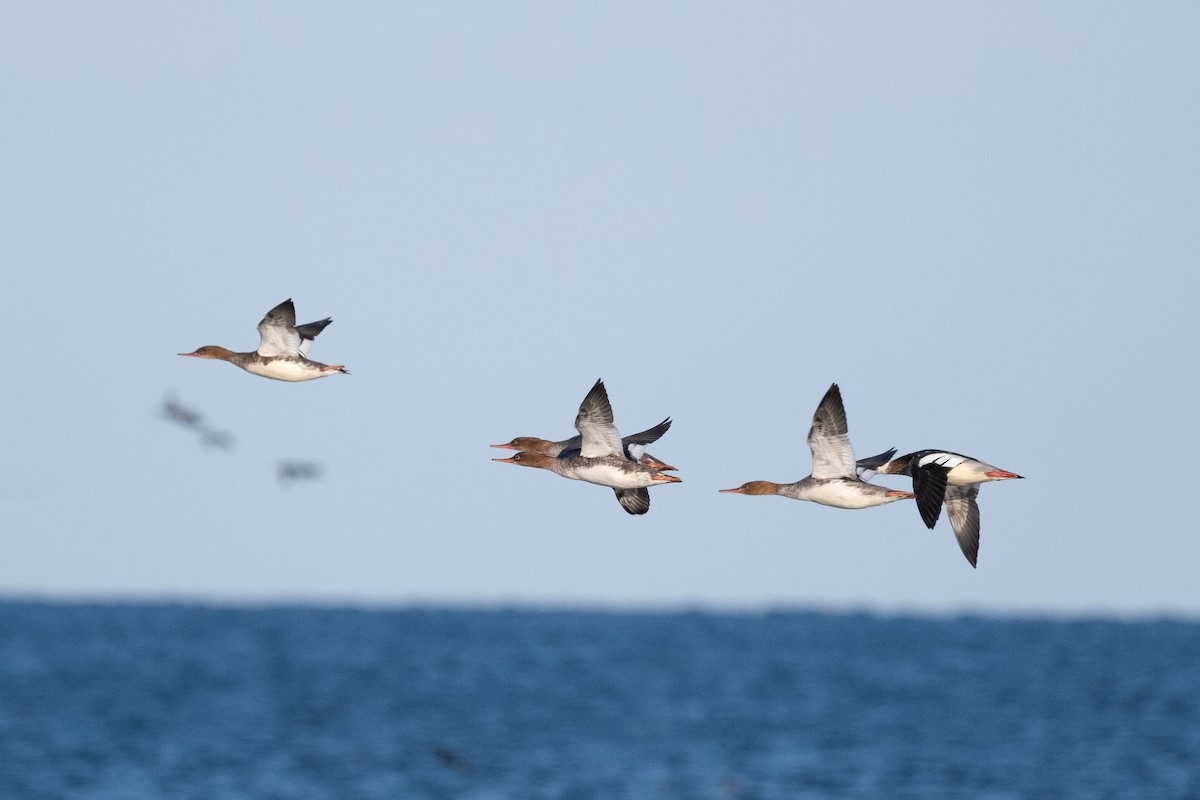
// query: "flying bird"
[[283, 347], [941, 477], [603, 458], [835, 477], [634, 446]]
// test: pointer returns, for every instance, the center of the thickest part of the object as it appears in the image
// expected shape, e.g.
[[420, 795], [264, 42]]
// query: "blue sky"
[[979, 221]]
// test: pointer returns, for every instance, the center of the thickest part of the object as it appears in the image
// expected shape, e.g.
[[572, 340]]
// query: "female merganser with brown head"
[[602, 457], [282, 349], [634, 446], [942, 477], [634, 501], [834, 480]]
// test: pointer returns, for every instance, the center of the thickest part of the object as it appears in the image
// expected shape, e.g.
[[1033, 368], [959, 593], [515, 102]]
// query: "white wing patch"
[[277, 340], [948, 460], [599, 439]]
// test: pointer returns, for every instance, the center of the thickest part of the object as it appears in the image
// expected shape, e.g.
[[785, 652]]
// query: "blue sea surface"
[[117, 701]]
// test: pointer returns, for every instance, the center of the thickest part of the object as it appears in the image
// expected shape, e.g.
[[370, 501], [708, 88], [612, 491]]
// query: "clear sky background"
[[982, 221]]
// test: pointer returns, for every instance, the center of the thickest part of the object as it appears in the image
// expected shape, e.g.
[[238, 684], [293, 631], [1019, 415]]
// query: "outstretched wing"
[[635, 501], [929, 485], [635, 444], [867, 467], [277, 331], [309, 331], [829, 438], [650, 435], [595, 425], [963, 512]]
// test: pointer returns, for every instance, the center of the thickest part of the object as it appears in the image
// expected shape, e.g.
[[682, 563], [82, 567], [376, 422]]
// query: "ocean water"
[[175, 701]]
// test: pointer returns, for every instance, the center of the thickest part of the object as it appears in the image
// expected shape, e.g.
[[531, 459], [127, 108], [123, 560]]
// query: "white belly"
[[612, 476], [282, 369], [846, 495]]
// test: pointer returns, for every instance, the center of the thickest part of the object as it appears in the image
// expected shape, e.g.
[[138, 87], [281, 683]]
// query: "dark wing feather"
[[595, 425], [829, 439], [635, 501], [634, 446], [283, 314], [963, 512], [875, 462], [929, 485], [865, 468], [309, 331], [650, 435]]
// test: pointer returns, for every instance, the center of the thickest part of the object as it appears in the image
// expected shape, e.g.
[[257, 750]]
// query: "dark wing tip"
[[929, 485], [964, 518], [634, 501], [970, 548], [650, 435], [597, 391], [875, 462], [596, 403], [830, 417], [310, 330], [833, 393], [285, 311]]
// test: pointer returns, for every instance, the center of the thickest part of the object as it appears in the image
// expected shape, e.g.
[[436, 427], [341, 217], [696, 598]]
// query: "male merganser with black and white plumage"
[[941, 477], [634, 446], [834, 480], [602, 458], [282, 349]]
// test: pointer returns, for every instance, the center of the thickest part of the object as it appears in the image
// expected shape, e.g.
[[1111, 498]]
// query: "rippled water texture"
[[165, 701]]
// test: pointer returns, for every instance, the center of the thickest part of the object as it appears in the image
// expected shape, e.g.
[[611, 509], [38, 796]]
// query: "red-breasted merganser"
[[634, 446], [602, 458], [941, 477], [634, 501], [282, 349], [834, 480]]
